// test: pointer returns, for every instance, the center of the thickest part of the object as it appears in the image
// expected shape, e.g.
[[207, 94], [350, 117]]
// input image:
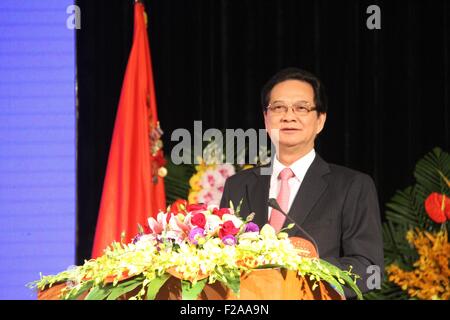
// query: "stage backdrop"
[[388, 89]]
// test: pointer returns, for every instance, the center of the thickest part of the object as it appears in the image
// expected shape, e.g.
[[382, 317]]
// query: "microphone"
[[274, 204]]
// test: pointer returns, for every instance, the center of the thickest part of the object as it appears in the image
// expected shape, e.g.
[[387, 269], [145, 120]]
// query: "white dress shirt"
[[299, 168]]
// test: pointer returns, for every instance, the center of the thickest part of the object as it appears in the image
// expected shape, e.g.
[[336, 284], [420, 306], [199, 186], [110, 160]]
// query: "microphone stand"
[[274, 204]]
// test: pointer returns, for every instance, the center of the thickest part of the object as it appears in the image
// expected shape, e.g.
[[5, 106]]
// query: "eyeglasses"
[[300, 107]]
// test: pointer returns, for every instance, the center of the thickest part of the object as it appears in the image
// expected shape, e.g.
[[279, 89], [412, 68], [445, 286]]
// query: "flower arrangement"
[[430, 278], [431, 274], [417, 251], [198, 244]]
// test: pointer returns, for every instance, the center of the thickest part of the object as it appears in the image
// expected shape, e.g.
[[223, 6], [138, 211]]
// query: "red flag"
[[132, 189]]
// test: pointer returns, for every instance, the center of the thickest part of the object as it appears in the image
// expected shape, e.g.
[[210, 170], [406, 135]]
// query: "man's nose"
[[289, 115]]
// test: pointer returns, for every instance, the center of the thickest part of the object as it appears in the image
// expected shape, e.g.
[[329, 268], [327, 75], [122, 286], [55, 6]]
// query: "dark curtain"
[[388, 89]]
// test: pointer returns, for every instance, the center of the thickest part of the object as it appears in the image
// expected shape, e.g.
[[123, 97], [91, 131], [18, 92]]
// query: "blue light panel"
[[37, 143]]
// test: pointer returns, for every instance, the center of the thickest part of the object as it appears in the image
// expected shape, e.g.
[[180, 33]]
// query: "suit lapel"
[[311, 189], [258, 195]]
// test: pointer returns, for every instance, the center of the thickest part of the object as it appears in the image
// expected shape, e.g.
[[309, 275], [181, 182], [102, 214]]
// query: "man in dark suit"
[[338, 207]]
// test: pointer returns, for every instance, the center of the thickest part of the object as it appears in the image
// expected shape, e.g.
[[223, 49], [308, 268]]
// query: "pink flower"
[[211, 179], [157, 226], [211, 196], [226, 170], [179, 226]]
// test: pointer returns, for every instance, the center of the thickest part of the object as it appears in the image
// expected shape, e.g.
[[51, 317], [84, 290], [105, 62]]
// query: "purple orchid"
[[251, 227], [195, 234], [229, 240]]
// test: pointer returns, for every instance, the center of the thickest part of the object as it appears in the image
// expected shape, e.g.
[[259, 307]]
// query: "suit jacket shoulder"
[[345, 173], [243, 175], [345, 179], [235, 186]]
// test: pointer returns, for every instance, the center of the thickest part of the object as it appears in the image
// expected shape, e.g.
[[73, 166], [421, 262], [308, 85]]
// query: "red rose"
[[221, 212], [228, 228], [196, 207], [175, 207], [438, 207], [199, 220]]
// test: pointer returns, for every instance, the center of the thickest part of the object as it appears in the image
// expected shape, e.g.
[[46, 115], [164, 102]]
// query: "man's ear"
[[322, 118]]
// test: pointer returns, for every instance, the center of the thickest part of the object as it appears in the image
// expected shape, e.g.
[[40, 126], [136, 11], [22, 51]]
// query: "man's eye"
[[301, 109], [278, 108]]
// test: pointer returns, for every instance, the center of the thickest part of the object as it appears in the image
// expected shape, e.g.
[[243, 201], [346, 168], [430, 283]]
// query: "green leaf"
[[238, 209], [334, 283], [99, 293], [124, 288], [190, 291], [176, 183], [155, 285], [341, 274], [85, 287], [233, 281]]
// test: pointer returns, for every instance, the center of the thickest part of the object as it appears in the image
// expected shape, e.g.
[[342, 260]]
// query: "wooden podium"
[[260, 284]]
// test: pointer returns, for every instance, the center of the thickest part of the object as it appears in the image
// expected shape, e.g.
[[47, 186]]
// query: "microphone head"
[[274, 204]]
